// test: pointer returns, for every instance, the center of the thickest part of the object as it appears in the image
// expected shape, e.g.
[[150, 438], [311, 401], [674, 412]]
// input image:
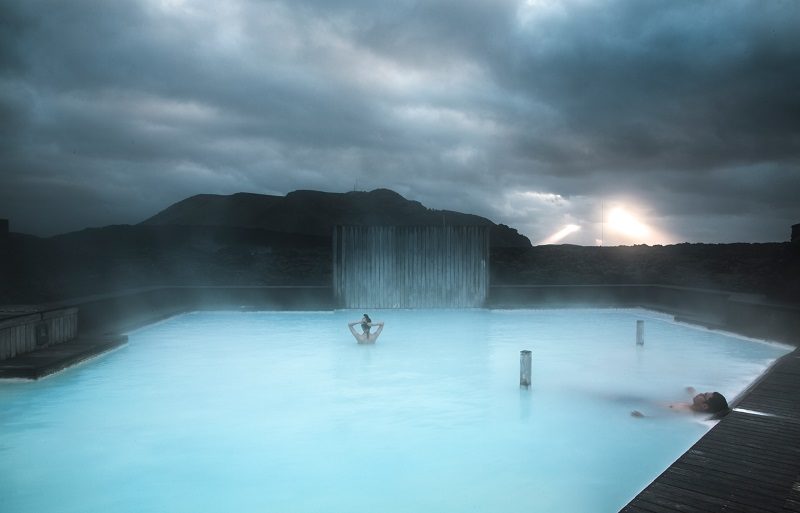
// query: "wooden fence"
[[410, 266], [24, 333]]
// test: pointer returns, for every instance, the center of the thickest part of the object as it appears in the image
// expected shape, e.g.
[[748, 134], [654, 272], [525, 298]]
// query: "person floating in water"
[[366, 323], [706, 402]]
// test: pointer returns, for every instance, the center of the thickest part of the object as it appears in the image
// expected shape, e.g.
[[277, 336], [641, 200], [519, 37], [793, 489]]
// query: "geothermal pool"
[[284, 412]]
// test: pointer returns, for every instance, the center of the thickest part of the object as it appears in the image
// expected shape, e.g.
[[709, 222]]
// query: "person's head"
[[709, 402], [365, 322]]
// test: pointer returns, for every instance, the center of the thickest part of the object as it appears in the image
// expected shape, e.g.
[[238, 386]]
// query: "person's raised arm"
[[380, 327], [350, 325]]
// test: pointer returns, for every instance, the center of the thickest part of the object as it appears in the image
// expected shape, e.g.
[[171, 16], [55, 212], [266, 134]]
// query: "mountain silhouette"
[[315, 213]]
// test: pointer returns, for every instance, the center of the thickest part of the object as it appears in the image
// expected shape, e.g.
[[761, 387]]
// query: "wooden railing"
[[24, 333]]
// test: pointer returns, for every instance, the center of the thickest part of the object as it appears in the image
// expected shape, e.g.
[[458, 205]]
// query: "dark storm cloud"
[[669, 84], [532, 113]]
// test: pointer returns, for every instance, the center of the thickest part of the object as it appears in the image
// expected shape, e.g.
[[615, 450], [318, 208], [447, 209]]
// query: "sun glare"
[[560, 234], [624, 223]]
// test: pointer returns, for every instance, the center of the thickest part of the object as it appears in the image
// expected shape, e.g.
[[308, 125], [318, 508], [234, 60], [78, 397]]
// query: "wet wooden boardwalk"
[[749, 462]]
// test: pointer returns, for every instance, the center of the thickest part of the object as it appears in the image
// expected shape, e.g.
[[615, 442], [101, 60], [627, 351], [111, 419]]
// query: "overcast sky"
[[668, 121]]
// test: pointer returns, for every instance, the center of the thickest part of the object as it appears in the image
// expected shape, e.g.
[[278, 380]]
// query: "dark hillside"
[[315, 213], [123, 257], [772, 269]]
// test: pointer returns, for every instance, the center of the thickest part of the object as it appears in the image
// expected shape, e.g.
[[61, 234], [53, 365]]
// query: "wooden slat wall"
[[18, 334], [411, 266]]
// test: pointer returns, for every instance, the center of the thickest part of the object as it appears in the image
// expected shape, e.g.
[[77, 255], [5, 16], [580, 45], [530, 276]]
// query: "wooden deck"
[[749, 462], [48, 360]]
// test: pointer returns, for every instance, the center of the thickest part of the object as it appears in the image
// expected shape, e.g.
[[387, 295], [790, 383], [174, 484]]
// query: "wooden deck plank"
[[754, 480], [694, 478], [756, 469], [697, 498], [723, 503], [746, 499], [663, 504], [654, 503]]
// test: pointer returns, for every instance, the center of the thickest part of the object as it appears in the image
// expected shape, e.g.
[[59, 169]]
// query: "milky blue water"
[[284, 412]]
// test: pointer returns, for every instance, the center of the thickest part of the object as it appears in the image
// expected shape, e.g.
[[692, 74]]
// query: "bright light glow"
[[627, 224], [560, 234], [624, 223], [543, 197]]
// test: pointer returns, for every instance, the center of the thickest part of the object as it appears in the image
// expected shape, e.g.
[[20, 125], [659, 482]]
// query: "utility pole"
[[602, 222]]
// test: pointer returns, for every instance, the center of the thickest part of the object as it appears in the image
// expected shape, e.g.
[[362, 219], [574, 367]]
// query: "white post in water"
[[525, 369], [639, 333]]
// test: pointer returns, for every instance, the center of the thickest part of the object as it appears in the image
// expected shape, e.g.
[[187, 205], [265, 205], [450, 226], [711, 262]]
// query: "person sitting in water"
[[366, 323], [706, 402]]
